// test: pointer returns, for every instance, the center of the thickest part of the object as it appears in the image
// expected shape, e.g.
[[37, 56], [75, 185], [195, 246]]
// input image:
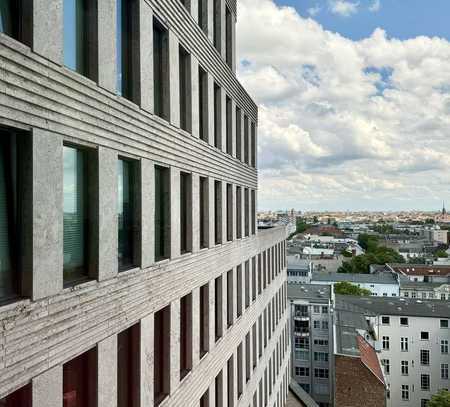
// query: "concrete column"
[[107, 372], [212, 205], [233, 128], [147, 206], [107, 26], [223, 23], [146, 360], [225, 384], [174, 345], [107, 214], [47, 388], [144, 92], [223, 104], [195, 213], [43, 268], [210, 109], [174, 212], [194, 10], [196, 327], [210, 11], [212, 392], [49, 33], [174, 82], [195, 108]]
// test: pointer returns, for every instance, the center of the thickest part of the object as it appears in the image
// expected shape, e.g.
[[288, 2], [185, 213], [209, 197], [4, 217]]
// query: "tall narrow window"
[[218, 387], [218, 308], [204, 212], [124, 43], [161, 380], [161, 70], [239, 291], [126, 213], [253, 212], [19, 398], [185, 335], [253, 145], [229, 125], [230, 382], [217, 21], [217, 117], [79, 381], [229, 212], [185, 90], [162, 213], [204, 319], [238, 212], [246, 212], [203, 15], [14, 17], [248, 368], [76, 219], [228, 37], [240, 373], [185, 212], [246, 144], [238, 133], [230, 299], [218, 211], [254, 346], [247, 284], [79, 46], [203, 103], [128, 346], [254, 278], [204, 401]]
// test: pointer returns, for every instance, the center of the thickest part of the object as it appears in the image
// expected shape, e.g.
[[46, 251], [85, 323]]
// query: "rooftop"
[[421, 269], [377, 278], [308, 291], [369, 357]]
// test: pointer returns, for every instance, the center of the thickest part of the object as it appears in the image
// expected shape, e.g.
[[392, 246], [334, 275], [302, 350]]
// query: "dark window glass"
[[246, 212], [20, 398], [246, 145], [204, 212], [14, 20], [128, 367], [161, 70], [253, 145], [228, 123], [203, 15], [217, 117], [204, 319], [185, 335], [161, 352], [124, 43], [126, 213], [185, 89], [253, 212], [162, 213], [185, 212], [217, 21], [238, 212], [76, 224], [238, 133], [229, 212], [203, 103], [218, 211], [218, 307], [228, 34]]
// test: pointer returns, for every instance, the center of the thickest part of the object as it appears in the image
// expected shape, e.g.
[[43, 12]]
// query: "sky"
[[354, 102]]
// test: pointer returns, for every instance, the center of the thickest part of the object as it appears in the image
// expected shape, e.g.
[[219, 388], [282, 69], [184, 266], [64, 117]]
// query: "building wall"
[[356, 385], [49, 324]]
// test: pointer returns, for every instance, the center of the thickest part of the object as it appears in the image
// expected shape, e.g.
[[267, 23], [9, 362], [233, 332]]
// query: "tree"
[[301, 225], [346, 288], [367, 242], [377, 255], [441, 253], [440, 399]]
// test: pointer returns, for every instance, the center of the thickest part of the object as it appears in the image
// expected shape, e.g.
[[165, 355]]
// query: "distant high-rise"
[[132, 273]]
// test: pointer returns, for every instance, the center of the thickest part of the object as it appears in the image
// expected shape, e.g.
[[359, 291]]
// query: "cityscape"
[[224, 203]]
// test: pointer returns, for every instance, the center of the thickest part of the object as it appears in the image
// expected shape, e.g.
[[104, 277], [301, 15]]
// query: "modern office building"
[[132, 272]]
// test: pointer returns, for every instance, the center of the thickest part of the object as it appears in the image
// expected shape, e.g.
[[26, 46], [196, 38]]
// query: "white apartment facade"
[[132, 272]]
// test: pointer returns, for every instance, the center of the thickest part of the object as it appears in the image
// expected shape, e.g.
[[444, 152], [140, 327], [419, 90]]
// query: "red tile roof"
[[369, 357], [421, 270]]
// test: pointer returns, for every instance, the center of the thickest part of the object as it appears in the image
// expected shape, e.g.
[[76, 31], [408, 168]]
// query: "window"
[[239, 290], [424, 336], [385, 342], [404, 344], [204, 401], [405, 392], [126, 213], [254, 346], [218, 211], [316, 324], [79, 380], [218, 387], [321, 342], [425, 382], [218, 307], [185, 90], [301, 371], [247, 284], [444, 371], [240, 375], [238, 133], [321, 373], [444, 346], [229, 212], [424, 402], [248, 361], [321, 356], [128, 366], [324, 324], [229, 125], [203, 103], [230, 299], [253, 145], [238, 212], [253, 211], [404, 321], [444, 323], [79, 48], [22, 396], [185, 212], [186, 334], [228, 37], [13, 20], [161, 70], [316, 309], [387, 367], [204, 212], [124, 43], [254, 279], [404, 368], [203, 15], [325, 310], [77, 226], [424, 357], [385, 320], [230, 382], [161, 352], [246, 212], [217, 116], [162, 213], [217, 21]]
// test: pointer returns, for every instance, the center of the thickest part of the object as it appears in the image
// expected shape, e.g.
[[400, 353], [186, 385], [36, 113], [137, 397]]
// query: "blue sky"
[[401, 19]]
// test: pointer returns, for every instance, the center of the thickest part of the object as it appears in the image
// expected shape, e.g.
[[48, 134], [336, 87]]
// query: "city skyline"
[[343, 124]]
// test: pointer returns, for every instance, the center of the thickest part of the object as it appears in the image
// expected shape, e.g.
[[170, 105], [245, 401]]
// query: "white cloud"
[[313, 11], [348, 124], [343, 8], [375, 6]]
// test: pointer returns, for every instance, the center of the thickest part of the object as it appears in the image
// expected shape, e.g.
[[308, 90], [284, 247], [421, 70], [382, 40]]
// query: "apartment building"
[[414, 342], [312, 340], [132, 272]]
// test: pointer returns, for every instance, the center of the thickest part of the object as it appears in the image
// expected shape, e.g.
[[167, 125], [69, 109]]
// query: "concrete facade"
[[49, 324]]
